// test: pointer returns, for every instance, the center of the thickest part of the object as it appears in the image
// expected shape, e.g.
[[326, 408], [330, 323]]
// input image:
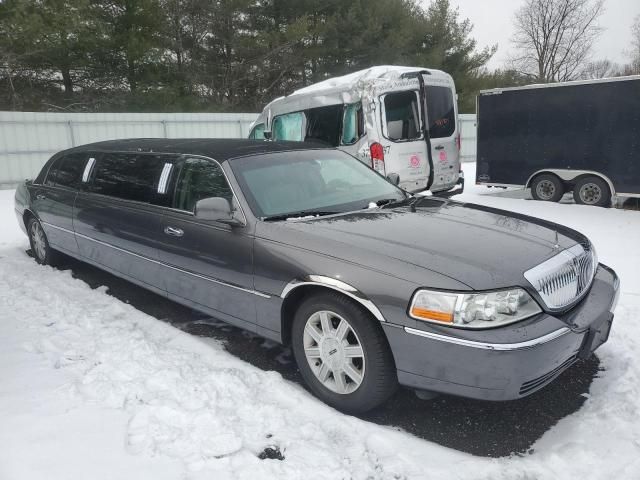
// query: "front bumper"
[[505, 363]]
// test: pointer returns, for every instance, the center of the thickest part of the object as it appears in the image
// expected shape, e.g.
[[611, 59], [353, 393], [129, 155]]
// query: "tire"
[[42, 252], [354, 384], [592, 190], [547, 188]]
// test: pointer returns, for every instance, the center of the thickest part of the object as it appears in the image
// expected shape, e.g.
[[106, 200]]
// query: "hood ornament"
[[556, 244]]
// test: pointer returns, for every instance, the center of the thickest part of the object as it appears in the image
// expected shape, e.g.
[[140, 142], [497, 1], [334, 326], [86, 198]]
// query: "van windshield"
[[441, 111], [311, 181]]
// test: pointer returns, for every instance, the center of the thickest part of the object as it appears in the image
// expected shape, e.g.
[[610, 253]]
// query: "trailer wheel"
[[547, 187], [592, 190]]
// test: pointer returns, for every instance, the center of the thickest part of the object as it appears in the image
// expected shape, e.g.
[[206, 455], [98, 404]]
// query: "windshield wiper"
[[297, 215], [409, 201]]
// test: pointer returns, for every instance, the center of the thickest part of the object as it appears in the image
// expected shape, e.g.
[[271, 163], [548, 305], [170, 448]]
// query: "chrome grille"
[[565, 278]]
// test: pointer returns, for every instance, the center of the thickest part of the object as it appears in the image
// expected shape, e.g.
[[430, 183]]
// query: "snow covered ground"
[[92, 388]]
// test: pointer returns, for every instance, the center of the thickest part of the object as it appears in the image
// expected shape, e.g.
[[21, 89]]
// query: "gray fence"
[[468, 137], [28, 139]]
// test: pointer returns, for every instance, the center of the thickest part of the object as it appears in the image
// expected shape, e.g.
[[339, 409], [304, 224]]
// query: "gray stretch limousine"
[[371, 287]]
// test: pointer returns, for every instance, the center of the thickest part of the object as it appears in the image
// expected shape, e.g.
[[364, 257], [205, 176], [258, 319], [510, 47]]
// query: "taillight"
[[458, 142], [377, 157]]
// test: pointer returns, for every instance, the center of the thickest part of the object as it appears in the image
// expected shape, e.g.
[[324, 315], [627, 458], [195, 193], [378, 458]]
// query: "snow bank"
[[93, 388]]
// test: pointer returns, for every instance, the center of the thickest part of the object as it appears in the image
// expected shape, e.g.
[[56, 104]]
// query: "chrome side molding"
[[334, 284], [163, 264]]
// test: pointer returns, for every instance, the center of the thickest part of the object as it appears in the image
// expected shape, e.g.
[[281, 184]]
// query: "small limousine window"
[[67, 171], [199, 178], [128, 176], [402, 116]]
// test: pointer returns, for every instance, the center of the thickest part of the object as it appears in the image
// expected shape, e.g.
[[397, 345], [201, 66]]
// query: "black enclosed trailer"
[[581, 136]]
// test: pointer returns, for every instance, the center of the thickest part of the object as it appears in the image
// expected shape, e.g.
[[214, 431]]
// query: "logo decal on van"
[[443, 156], [414, 161]]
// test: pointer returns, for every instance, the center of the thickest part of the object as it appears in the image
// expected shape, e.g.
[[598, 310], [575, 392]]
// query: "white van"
[[400, 120]]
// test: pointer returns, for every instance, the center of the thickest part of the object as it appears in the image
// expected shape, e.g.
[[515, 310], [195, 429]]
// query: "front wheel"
[[42, 252], [342, 353]]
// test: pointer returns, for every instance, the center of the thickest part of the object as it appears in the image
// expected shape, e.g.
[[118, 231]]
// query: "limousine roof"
[[218, 149]]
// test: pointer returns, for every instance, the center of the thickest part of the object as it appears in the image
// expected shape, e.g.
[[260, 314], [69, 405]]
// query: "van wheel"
[[592, 191], [342, 353], [547, 187], [42, 252]]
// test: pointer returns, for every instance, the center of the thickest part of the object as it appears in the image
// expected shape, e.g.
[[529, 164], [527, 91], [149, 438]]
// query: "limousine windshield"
[[314, 181]]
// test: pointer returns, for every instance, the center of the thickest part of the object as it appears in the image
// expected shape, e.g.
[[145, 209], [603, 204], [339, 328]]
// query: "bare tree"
[[635, 46], [599, 69], [553, 38]]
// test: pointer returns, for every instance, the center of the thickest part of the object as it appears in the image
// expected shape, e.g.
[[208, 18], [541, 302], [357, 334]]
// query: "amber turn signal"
[[446, 317]]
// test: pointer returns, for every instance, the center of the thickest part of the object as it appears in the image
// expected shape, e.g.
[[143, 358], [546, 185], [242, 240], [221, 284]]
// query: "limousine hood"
[[481, 247]]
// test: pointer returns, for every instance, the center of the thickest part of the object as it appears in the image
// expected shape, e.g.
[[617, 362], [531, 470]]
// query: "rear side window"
[[258, 132], [441, 111], [402, 116], [289, 127], [198, 179], [128, 176], [353, 124], [323, 124], [67, 170]]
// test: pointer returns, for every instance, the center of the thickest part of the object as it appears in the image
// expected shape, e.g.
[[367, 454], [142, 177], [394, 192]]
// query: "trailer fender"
[[568, 175]]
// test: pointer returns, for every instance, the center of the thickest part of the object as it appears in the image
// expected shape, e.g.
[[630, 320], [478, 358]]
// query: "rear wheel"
[[547, 187], [42, 252], [592, 190], [342, 353]]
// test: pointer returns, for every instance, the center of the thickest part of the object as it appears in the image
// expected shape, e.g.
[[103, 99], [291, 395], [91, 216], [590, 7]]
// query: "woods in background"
[[224, 55]]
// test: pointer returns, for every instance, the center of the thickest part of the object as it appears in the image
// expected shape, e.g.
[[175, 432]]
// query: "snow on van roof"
[[345, 89], [372, 74]]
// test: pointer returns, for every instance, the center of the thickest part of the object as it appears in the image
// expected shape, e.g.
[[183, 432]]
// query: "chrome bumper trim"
[[491, 346]]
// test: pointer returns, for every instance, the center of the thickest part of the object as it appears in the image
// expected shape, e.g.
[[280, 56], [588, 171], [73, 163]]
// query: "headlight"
[[473, 310]]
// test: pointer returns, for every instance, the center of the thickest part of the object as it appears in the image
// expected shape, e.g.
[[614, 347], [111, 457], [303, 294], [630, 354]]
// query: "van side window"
[[402, 113], [198, 179], [323, 124], [441, 111], [67, 171], [352, 124], [288, 127], [257, 133], [127, 176]]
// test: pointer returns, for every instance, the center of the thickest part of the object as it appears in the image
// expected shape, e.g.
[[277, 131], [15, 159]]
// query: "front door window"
[[198, 179]]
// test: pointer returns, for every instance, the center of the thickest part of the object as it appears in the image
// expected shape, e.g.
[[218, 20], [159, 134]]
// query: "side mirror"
[[394, 178], [215, 209]]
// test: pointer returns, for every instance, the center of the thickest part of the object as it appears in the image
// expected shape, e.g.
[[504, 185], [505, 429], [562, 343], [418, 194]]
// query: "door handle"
[[439, 147], [41, 196], [174, 232]]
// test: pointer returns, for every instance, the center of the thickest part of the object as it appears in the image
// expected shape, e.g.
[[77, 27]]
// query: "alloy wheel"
[[334, 352], [39, 241]]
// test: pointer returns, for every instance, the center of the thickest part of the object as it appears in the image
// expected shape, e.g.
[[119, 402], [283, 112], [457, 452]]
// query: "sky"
[[493, 23]]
